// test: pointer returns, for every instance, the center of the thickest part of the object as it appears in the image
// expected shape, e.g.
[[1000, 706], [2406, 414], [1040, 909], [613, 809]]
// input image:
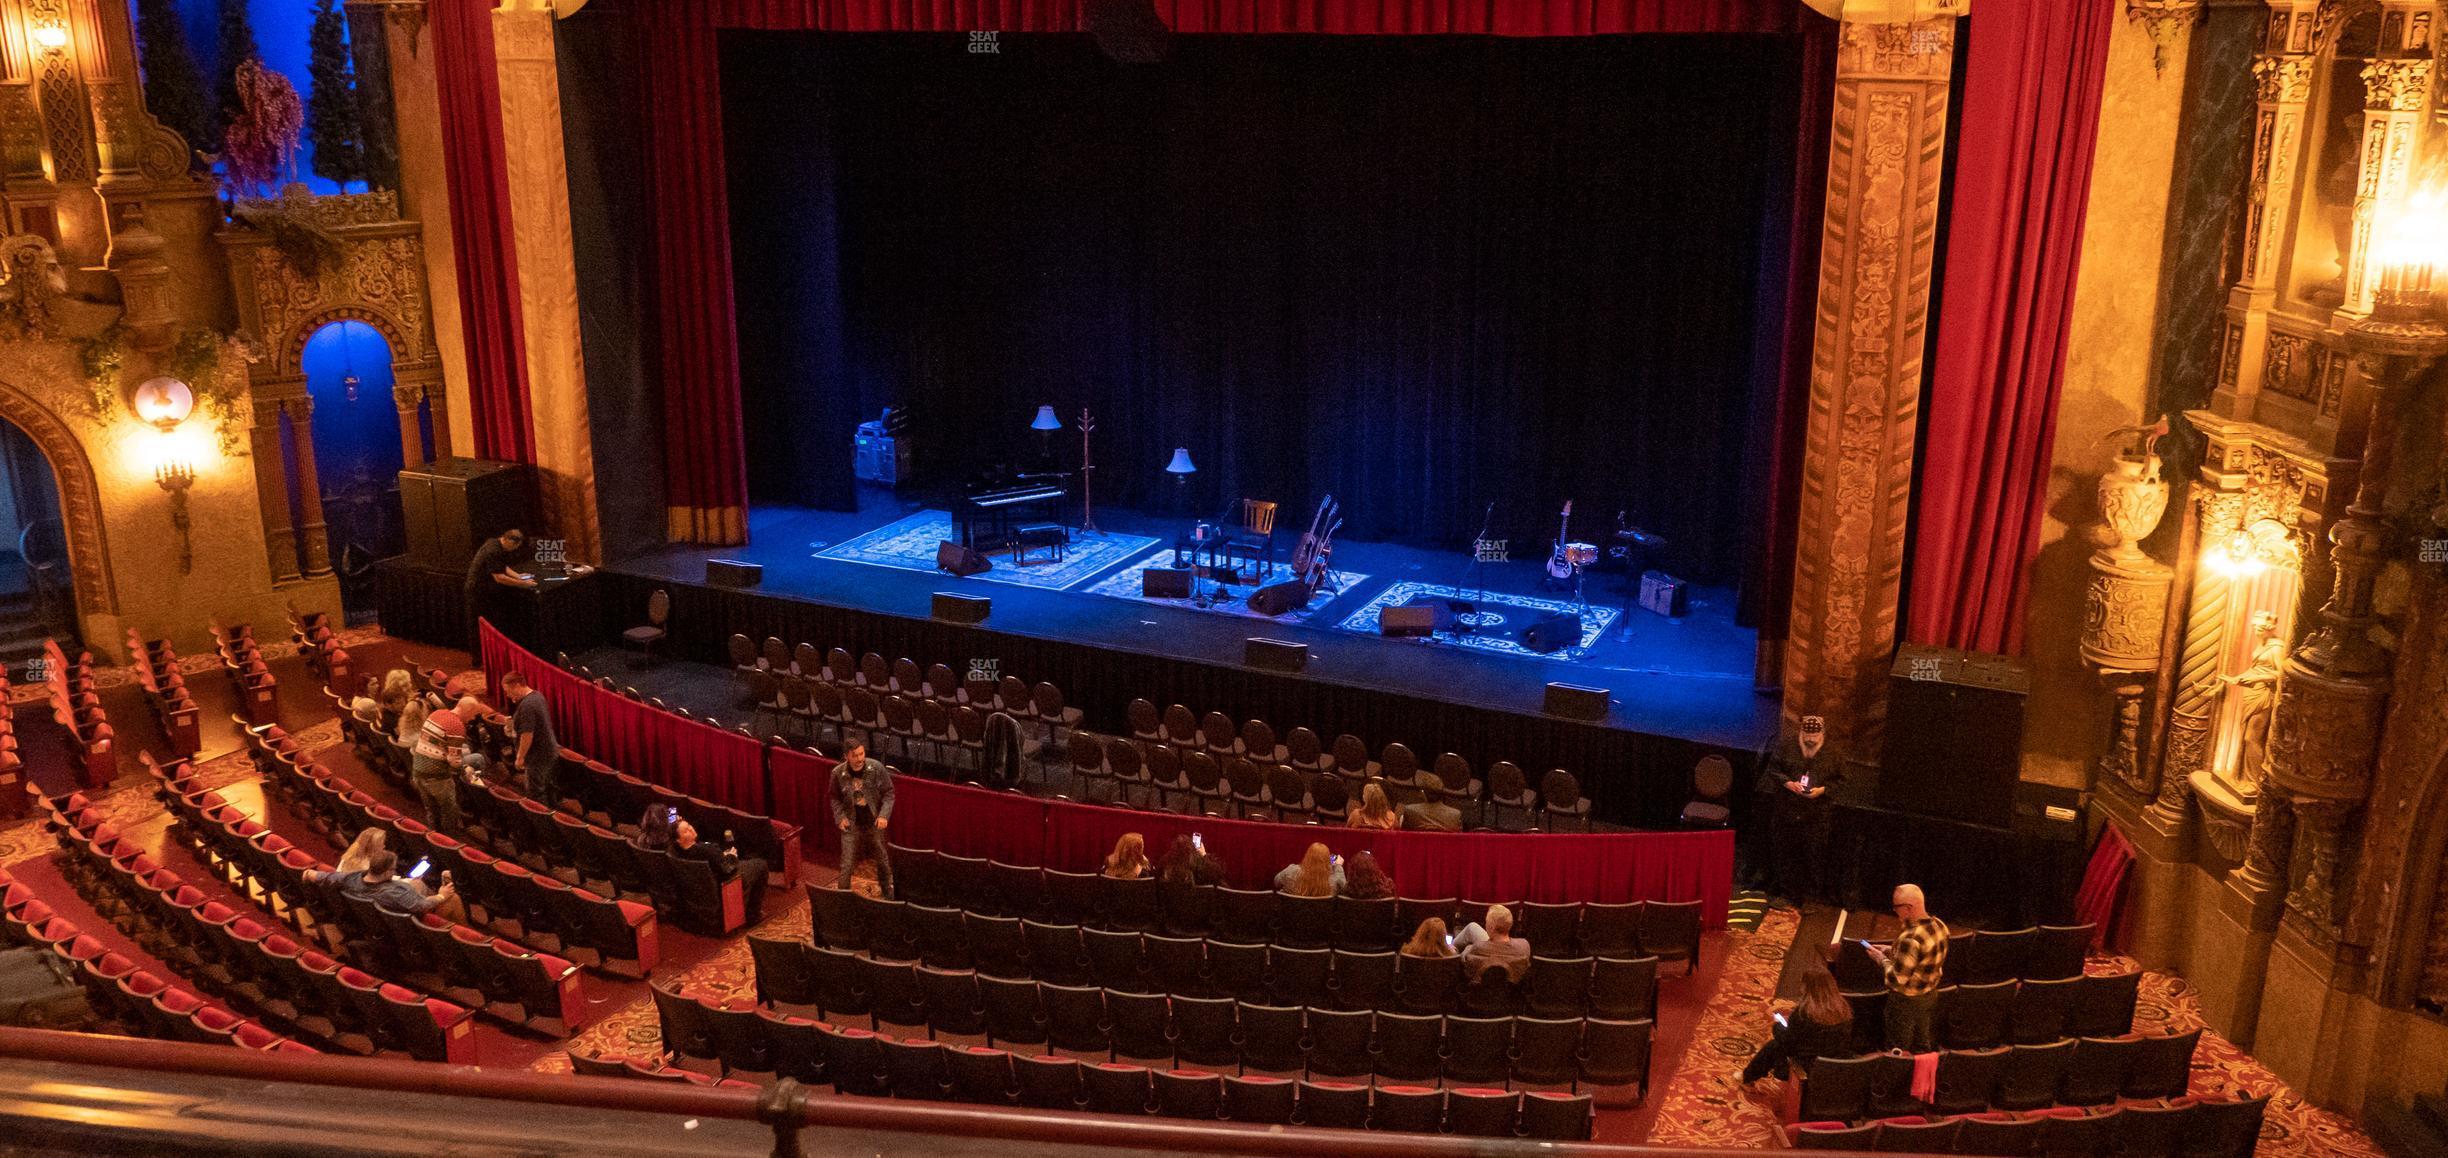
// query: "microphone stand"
[[1478, 570]]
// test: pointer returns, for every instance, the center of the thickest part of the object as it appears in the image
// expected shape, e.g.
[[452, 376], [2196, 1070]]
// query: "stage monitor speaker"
[[1553, 633], [1275, 654], [1575, 702], [733, 573], [1425, 615], [960, 560], [453, 504], [1954, 736], [955, 608], [1279, 598], [1165, 583]]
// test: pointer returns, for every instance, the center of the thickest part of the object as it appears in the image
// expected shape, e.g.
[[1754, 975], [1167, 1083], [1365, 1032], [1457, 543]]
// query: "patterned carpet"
[[1125, 584], [1706, 1103], [1500, 619], [909, 545]]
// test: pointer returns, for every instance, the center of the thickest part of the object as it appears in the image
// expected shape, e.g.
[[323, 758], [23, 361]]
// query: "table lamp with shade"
[[1045, 424], [1181, 468]]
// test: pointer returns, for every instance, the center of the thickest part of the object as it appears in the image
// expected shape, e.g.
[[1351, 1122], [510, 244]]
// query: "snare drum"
[[1580, 554]]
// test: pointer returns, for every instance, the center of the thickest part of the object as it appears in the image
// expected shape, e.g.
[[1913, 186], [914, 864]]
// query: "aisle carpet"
[[909, 545], [1706, 1104]]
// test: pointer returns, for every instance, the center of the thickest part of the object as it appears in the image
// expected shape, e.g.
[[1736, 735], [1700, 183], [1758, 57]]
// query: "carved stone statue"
[[2256, 689], [32, 285]]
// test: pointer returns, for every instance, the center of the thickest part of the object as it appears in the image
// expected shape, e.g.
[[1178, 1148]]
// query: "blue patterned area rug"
[[1499, 620], [1126, 584], [910, 546]]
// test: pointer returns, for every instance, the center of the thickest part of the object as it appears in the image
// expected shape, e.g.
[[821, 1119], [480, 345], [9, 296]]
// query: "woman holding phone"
[[1187, 863], [1318, 873], [1821, 1025]]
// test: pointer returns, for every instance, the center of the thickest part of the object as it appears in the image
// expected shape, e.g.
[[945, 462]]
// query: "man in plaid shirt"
[[1913, 967]]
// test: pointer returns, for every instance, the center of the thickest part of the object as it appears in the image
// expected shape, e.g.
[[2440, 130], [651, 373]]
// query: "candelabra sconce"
[[51, 38], [176, 477]]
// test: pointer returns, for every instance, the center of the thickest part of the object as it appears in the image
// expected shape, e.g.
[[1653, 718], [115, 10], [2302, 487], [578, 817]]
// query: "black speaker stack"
[[1954, 736], [452, 504]]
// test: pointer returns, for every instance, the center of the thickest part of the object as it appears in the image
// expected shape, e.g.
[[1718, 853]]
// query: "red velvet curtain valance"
[[478, 178], [705, 470], [730, 769], [2022, 182]]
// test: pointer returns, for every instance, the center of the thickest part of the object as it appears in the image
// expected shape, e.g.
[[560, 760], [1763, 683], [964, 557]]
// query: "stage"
[[1679, 689]]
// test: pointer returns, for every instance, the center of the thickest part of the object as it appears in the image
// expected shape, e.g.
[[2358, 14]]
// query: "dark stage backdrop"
[[1419, 273]]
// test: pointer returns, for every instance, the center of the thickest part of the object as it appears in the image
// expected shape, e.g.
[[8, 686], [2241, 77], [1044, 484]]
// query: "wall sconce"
[[175, 475], [2238, 557], [163, 402], [51, 37], [2411, 248]]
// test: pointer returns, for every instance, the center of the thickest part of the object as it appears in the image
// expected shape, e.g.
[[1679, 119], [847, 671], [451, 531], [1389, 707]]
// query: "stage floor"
[[1689, 678]]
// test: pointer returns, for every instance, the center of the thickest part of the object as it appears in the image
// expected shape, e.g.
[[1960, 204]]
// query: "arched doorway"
[[347, 365], [37, 588]]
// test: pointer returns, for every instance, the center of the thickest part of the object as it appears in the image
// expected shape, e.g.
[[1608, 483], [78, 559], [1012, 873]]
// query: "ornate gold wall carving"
[[1882, 209]]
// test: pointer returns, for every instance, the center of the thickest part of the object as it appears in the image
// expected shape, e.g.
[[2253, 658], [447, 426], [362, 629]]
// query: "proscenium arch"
[[292, 360], [79, 497]]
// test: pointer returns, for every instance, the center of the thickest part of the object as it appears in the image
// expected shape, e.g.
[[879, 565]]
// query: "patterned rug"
[[1126, 584], [1499, 620], [1706, 1103], [909, 545]]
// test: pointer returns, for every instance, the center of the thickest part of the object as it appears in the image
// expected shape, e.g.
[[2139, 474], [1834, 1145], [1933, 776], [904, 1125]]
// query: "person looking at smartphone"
[[1318, 873], [381, 884], [1186, 863], [1802, 771], [1430, 940], [1493, 946], [1821, 1025], [1913, 969]]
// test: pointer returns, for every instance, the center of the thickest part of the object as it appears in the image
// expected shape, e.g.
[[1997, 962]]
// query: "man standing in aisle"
[[1913, 968], [862, 809], [492, 565], [538, 753]]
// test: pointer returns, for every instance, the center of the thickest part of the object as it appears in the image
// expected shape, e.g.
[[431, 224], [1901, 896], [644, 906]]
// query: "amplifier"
[[1665, 594], [1275, 654], [1165, 583], [1954, 735], [733, 573], [956, 608]]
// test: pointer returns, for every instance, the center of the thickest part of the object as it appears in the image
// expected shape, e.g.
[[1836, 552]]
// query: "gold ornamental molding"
[[2166, 22], [1879, 11]]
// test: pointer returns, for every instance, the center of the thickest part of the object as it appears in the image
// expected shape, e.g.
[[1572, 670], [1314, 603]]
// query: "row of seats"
[[506, 825], [2089, 1071], [799, 682], [1613, 987], [1215, 1031], [165, 688], [2010, 1012], [77, 706], [617, 937], [312, 630], [140, 1001], [463, 964], [293, 986], [1669, 930], [609, 798], [2211, 1127], [250, 675], [860, 1062], [13, 787], [2037, 953]]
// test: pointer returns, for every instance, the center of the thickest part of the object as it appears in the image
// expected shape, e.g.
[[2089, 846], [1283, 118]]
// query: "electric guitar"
[[1559, 566]]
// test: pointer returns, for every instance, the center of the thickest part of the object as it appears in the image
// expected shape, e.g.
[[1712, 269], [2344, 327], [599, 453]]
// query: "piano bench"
[[1047, 537]]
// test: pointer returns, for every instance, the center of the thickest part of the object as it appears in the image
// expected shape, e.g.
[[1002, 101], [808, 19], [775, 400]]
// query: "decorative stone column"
[[272, 492], [312, 531], [2218, 512], [406, 396], [2125, 607], [1884, 164], [2396, 87], [2282, 75], [547, 272]]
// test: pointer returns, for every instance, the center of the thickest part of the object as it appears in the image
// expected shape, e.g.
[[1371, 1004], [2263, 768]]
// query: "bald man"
[[1913, 968]]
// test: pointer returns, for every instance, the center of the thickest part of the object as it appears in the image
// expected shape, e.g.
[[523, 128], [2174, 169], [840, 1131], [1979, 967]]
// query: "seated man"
[[724, 861], [379, 884], [1494, 946]]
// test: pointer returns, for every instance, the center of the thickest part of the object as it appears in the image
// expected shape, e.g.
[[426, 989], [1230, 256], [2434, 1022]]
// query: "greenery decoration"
[[309, 248], [331, 99], [173, 85], [194, 358]]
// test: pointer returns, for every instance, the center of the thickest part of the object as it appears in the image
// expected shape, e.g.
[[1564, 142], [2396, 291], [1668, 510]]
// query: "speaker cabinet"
[[453, 504], [1954, 736], [733, 573], [955, 608], [1279, 598], [1165, 583], [960, 560], [1422, 616], [1664, 594], [1574, 702], [1275, 655], [1553, 633]]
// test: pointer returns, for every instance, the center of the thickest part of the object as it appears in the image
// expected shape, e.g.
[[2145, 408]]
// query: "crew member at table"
[[494, 564]]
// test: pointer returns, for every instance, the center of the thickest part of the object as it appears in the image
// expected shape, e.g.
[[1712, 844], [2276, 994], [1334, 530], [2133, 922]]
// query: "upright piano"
[[992, 508]]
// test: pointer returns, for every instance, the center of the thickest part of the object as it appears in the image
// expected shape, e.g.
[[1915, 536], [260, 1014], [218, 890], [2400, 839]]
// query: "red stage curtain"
[[705, 467], [2031, 112], [727, 768], [478, 176]]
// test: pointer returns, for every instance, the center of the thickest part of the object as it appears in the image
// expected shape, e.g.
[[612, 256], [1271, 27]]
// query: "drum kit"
[[1572, 558]]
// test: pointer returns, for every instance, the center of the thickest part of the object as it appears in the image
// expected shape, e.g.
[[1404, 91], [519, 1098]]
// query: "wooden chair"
[[1145, 723], [1351, 759], [650, 633], [1256, 538], [1566, 810]]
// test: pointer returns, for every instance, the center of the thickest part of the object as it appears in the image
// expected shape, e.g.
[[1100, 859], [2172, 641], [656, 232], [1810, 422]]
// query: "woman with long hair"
[[361, 851], [1128, 861], [1187, 863], [411, 721], [1364, 881], [1318, 873], [1429, 940], [1821, 1025], [1375, 810], [655, 828]]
